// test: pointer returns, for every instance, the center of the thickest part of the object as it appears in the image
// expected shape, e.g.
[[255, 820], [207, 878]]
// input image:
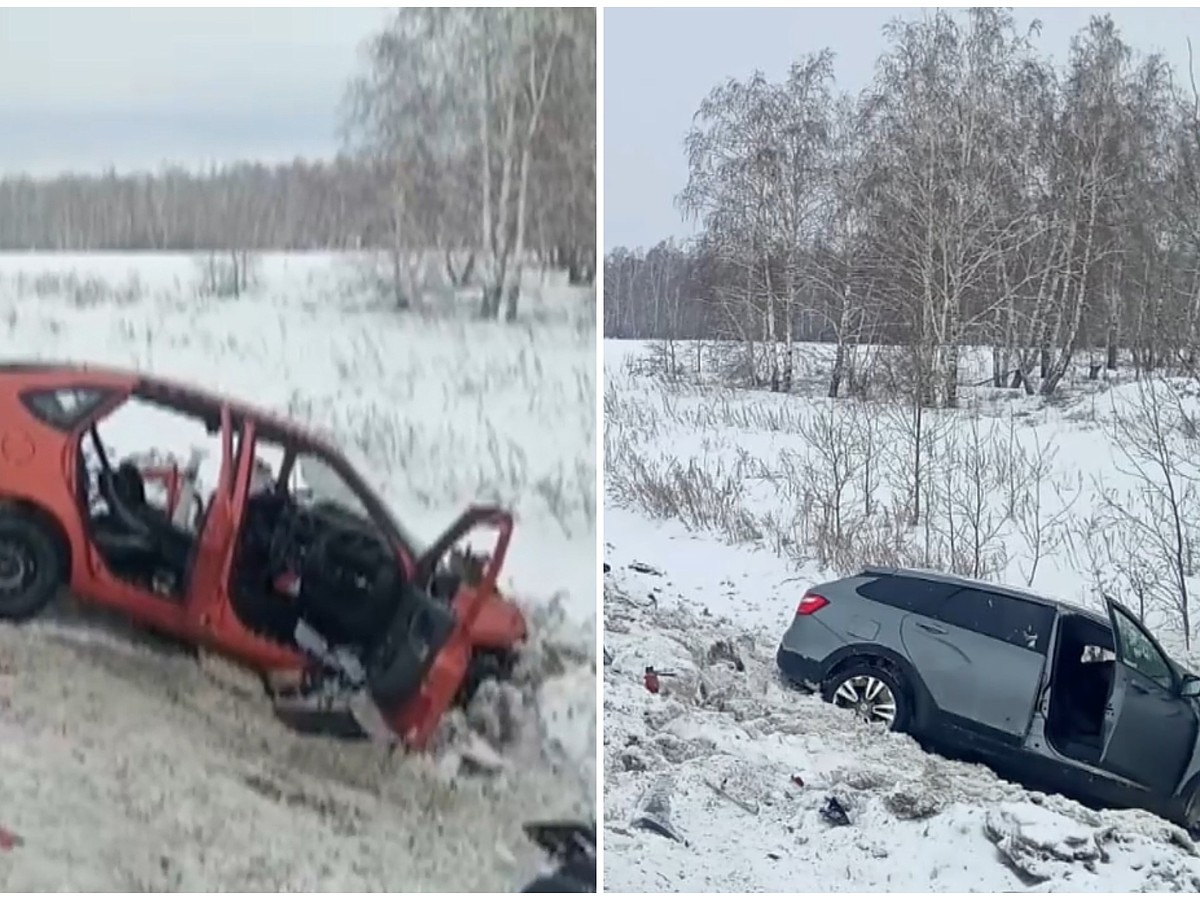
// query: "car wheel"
[[873, 692], [30, 567]]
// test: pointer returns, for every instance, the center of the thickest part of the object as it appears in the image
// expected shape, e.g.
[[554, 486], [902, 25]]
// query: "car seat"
[[136, 530]]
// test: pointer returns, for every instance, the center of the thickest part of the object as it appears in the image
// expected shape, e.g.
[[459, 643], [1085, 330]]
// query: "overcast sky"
[[85, 88], [660, 63]]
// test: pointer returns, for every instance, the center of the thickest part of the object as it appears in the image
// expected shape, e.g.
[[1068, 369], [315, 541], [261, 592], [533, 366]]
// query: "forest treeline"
[[470, 132], [973, 194]]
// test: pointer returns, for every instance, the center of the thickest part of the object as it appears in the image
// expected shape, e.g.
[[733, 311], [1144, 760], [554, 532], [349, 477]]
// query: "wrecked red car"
[[309, 581]]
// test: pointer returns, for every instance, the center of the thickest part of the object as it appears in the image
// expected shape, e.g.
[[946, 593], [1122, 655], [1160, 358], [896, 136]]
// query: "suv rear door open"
[[1149, 729]]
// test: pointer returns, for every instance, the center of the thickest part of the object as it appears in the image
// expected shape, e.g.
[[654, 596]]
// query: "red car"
[[318, 589]]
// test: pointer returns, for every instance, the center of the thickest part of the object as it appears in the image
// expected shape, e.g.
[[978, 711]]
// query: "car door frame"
[[215, 619], [1129, 685], [214, 541], [100, 584]]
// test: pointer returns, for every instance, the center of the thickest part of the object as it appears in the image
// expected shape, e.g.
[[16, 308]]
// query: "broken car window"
[[1139, 653]]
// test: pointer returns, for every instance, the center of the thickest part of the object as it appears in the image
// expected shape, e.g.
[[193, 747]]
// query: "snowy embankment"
[[127, 766], [719, 514], [747, 766]]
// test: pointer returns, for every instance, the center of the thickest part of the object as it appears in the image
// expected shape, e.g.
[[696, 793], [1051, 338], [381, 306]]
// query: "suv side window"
[[1021, 623], [914, 595]]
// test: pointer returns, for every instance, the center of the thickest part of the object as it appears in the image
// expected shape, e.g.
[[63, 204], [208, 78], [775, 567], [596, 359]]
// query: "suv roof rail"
[[965, 582]]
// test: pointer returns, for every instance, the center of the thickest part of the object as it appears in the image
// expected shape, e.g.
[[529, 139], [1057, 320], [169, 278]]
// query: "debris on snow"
[[749, 745], [655, 814], [724, 650], [1037, 843], [644, 569], [834, 813], [720, 791]]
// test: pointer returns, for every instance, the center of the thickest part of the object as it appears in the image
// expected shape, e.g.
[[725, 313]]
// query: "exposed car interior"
[[137, 540], [299, 555], [1081, 679], [314, 559], [296, 558]]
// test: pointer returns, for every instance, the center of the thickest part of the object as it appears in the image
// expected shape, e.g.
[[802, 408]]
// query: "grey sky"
[[85, 88], [659, 64]]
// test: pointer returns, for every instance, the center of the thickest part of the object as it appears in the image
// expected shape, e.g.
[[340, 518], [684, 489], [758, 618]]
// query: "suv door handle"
[[932, 629], [1137, 688]]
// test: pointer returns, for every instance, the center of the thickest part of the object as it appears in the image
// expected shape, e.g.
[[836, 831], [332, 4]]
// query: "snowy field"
[[722, 506], [129, 767]]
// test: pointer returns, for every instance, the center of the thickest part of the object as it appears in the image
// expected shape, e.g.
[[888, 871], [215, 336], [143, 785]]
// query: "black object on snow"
[[572, 845], [834, 813], [644, 569]]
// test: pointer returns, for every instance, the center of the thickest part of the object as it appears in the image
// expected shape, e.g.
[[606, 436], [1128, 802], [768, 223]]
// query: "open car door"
[[1149, 728]]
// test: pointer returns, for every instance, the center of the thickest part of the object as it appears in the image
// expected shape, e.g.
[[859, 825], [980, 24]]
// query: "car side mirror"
[[1190, 687]]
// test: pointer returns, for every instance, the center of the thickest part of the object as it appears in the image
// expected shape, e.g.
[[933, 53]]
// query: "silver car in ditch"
[[1054, 696]]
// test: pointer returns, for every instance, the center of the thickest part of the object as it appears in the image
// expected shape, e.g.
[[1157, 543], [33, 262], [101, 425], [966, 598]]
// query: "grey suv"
[[1051, 695]]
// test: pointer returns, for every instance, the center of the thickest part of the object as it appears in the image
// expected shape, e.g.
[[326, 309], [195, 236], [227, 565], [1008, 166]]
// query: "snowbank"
[[747, 767]]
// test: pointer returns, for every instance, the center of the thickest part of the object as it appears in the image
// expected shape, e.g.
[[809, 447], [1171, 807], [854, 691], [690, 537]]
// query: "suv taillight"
[[811, 603]]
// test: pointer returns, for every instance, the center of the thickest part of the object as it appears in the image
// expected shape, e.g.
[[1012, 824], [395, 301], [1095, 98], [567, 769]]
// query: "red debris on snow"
[[650, 679], [9, 840]]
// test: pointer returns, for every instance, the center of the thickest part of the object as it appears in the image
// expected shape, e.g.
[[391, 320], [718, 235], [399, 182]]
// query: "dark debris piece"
[[834, 813], [644, 569], [724, 650], [655, 813]]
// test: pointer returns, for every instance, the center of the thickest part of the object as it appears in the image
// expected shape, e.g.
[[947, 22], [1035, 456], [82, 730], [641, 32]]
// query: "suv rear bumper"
[[798, 669]]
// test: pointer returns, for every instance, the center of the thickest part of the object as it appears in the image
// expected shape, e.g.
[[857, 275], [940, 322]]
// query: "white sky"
[[85, 88]]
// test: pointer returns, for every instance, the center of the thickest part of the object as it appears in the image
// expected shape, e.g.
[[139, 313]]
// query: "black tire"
[[1189, 809], [31, 566], [857, 676]]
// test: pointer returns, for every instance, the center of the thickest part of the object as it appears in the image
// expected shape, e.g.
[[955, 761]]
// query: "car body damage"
[[1053, 696], [295, 569]]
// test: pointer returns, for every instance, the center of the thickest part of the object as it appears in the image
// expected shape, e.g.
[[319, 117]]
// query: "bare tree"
[[1157, 439]]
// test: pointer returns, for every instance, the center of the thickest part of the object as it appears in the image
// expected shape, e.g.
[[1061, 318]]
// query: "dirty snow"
[[746, 766], [128, 766], [742, 766]]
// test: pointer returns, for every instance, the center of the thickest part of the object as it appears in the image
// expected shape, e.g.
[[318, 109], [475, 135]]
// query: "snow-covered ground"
[[126, 766], [716, 520]]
